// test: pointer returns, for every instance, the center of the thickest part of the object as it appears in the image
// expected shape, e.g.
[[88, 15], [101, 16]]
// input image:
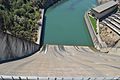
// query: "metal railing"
[[56, 78]]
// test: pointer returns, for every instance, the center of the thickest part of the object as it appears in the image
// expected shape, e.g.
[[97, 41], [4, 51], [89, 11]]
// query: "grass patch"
[[94, 22]]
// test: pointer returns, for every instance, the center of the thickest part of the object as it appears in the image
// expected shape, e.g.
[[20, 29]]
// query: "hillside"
[[19, 17]]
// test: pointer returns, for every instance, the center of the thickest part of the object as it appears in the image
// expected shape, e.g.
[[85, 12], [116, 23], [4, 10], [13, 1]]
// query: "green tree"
[[20, 17]]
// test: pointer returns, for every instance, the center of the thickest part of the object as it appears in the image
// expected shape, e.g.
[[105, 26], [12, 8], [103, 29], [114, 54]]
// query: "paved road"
[[64, 61]]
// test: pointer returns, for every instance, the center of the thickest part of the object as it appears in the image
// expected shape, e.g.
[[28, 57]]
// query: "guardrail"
[[56, 78]]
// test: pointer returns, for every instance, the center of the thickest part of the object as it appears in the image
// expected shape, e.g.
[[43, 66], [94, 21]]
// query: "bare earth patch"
[[108, 36]]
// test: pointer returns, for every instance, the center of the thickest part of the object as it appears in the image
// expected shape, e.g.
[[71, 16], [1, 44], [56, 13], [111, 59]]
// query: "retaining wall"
[[91, 30], [12, 48]]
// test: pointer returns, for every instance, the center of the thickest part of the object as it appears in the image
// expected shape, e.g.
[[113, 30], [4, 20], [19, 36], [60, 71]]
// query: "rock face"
[[108, 36], [103, 1], [14, 48]]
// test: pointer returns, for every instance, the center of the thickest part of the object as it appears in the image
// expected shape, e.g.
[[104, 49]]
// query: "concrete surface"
[[64, 61], [14, 48]]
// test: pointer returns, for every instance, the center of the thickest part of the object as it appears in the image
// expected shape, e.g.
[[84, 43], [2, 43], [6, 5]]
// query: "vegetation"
[[19, 17], [94, 22]]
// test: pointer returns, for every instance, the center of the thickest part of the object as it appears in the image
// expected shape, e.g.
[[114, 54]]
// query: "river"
[[65, 23]]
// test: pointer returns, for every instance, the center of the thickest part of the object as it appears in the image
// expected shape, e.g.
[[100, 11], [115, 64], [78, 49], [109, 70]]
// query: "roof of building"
[[105, 6]]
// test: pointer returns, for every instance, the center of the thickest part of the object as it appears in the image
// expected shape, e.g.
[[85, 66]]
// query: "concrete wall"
[[14, 48], [91, 31], [102, 14]]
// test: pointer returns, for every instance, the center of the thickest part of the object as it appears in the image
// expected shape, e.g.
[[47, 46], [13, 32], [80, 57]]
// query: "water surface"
[[65, 23]]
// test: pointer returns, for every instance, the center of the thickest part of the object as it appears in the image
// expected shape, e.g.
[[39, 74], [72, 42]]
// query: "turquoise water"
[[65, 23]]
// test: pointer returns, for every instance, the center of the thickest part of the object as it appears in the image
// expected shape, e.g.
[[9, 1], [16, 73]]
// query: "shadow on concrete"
[[12, 48], [43, 31]]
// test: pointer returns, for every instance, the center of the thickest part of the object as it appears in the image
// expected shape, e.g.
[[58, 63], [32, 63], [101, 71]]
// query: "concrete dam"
[[12, 48]]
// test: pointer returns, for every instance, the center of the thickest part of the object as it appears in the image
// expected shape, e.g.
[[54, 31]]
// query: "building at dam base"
[[104, 9], [65, 25]]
